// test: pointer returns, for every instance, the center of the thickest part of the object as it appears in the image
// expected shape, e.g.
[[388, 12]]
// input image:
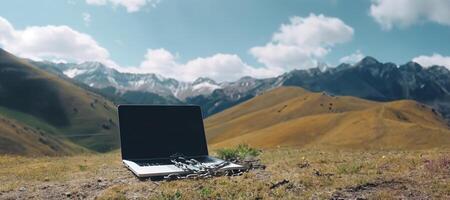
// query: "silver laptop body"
[[151, 134]]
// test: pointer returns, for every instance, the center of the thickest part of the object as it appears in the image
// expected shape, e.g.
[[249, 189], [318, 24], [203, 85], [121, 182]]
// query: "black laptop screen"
[[149, 132]]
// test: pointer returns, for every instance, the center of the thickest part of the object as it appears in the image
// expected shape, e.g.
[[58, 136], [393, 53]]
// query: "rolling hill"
[[17, 138], [54, 107], [291, 116]]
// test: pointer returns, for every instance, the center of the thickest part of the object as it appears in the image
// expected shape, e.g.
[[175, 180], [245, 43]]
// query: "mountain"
[[368, 79], [54, 107], [232, 93], [373, 80], [97, 75], [292, 116]]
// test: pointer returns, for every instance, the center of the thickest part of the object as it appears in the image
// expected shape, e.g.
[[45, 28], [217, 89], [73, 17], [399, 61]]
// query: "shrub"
[[205, 192], [237, 153]]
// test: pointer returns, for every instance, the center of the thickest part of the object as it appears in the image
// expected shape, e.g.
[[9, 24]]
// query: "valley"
[[66, 110]]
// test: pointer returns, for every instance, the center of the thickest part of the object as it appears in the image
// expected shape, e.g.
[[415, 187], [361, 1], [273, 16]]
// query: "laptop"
[[152, 134]]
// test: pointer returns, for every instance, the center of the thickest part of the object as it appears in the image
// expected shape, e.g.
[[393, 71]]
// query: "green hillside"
[[54, 106]]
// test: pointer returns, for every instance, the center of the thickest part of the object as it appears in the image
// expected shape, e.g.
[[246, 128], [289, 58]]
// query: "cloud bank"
[[51, 43], [435, 59], [63, 44], [300, 43], [220, 67], [403, 13]]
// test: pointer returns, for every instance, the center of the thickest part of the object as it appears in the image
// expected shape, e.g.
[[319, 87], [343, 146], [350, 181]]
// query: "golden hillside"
[[291, 116]]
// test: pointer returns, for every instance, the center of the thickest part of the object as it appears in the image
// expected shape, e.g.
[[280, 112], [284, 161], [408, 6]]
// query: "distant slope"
[[17, 138], [291, 116], [46, 102]]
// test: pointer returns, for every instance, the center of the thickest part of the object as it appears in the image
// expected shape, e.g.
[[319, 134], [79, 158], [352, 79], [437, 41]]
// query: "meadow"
[[290, 173]]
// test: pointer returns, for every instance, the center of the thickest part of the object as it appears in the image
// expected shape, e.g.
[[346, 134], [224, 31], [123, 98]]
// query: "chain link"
[[193, 169]]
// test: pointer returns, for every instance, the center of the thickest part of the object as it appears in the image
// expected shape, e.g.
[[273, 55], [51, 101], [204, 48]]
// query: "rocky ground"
[[290, 174]]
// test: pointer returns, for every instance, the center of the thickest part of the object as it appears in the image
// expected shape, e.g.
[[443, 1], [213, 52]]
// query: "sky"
[[225, 40]]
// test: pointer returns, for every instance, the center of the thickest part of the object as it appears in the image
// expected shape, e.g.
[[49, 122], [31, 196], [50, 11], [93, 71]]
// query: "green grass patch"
[[29, 120], [239, 152], [205, 192]]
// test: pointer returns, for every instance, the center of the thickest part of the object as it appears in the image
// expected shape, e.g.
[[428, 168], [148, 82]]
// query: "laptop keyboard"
[[154, 163], [202, 159]]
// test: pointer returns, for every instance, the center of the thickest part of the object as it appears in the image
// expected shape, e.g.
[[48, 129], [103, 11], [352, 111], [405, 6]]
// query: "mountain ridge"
[[97, 75], [368, 78]]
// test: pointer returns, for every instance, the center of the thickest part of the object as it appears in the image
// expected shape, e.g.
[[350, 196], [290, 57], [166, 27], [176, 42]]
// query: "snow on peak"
[[206, 86], [73, 72]]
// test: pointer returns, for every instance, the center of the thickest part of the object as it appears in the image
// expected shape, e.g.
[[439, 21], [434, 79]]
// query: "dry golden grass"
[[291, 116], [310, 174], [18, 171]]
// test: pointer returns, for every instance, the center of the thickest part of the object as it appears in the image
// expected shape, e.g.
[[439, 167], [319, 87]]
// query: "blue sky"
[[189, 38]]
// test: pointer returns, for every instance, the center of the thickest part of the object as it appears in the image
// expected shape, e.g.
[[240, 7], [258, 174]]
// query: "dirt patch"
[[394, 188]]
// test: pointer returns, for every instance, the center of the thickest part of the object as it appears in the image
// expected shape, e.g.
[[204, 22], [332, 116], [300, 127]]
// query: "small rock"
[[22, 189], [68, 194], [46, 179]]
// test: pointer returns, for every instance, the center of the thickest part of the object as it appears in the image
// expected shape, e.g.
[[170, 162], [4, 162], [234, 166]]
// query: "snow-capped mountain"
[[369, 79], [97, 75]]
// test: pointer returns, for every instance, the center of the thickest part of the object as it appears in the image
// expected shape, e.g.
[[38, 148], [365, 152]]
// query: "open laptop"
[[151, 134]]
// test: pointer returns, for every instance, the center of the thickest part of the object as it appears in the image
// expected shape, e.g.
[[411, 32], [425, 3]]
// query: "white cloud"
[[435, 59], [302, 42], [220, 67], [63, 44], [352, 58], [403, 13], [130, 5], [51, 43], [86, 18]]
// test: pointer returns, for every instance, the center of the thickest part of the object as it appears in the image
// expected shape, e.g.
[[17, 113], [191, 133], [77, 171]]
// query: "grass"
[[53, 105], [380, 174], [29, 120], [351, 168], [291, 116], [238, 153]]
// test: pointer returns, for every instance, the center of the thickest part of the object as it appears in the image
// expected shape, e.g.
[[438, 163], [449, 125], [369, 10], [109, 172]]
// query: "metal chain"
[[194, 169]]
